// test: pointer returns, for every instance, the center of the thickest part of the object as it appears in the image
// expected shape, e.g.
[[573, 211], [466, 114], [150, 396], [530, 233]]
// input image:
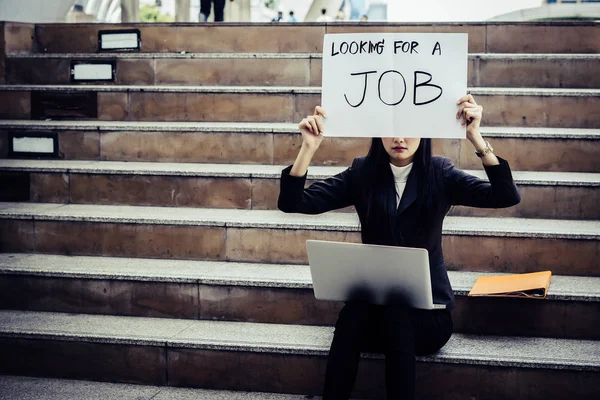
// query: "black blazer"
[[455, 187]]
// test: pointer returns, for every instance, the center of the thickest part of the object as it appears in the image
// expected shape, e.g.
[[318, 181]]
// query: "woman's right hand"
[[311, 128]]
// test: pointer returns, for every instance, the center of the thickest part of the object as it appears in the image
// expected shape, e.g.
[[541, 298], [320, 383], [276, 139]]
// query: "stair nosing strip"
[[491, 91], [157, 126], [53, 388], [333, 221], [70, 337], [279, 128], [246, 281], [243, 171], [167, 56], [267, 55]]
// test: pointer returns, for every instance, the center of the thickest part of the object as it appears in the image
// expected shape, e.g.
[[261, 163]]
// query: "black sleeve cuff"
[[500, 171], [291, 189]]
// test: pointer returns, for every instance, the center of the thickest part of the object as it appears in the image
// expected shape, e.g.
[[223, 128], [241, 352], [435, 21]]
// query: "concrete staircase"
[[151, 251]]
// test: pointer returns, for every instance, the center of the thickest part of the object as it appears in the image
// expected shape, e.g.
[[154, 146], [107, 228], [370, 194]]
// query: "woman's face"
[[401, 150]]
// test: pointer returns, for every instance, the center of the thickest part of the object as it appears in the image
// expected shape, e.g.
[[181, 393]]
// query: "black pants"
[[399, 332], [205, 6]]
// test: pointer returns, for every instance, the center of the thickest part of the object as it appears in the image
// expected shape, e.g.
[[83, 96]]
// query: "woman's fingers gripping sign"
[[313, 123], [469, 110]]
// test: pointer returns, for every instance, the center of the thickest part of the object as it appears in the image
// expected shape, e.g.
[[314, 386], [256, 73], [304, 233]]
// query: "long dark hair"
[[380, 221]]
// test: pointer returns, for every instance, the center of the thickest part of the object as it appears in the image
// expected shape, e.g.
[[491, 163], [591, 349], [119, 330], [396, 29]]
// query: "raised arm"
[[311, 129], [322, 196], [468, 190], [463, 189]]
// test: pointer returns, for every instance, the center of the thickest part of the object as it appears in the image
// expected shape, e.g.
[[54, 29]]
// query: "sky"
[[453, 10]]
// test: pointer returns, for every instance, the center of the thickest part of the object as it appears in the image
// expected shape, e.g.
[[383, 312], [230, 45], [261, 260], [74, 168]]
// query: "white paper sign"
[[394, 84]]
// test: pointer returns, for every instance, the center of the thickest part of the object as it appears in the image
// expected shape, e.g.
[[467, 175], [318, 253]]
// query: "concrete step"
[[566, 195], [528, 149], [491, 37], [206, 69], [32, 388], [566, 108], [566, 247], [282, 358], [268, 293], [291, 69]]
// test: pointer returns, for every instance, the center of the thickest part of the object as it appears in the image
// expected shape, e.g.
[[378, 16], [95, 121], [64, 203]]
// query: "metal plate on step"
[[123, 39], [32, 144], [93, 71]]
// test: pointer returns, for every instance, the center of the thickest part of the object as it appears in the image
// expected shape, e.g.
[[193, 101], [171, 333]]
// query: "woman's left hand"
[[471, 114]]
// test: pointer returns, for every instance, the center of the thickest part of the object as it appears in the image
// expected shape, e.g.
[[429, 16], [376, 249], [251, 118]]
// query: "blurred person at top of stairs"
[[205, 6], [324, 17]]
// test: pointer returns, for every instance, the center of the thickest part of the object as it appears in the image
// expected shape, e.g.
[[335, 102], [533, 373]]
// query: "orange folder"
[[532, 285]]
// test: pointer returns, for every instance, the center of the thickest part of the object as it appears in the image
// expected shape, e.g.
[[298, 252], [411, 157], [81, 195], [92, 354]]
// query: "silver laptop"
[[377, 274]]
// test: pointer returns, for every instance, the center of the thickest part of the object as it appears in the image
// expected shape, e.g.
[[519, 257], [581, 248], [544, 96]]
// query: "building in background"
[[35, 10], [377, 11], [491, 10], [555, 10]]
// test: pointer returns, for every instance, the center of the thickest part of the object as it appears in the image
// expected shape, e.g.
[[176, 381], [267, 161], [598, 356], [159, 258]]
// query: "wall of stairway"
[[150, 249]]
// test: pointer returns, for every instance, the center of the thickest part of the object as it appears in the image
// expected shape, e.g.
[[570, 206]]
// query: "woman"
[[401, 194]]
